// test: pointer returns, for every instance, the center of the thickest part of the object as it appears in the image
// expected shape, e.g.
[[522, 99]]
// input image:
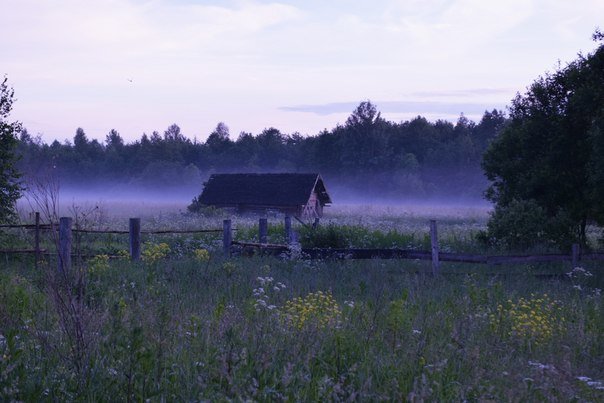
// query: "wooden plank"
[[198, 231], [462, 258], [288, 229], [135, 239], [37, 240], [260, 245], [592, 256], [227, 237], [262, 230], [434, 247], [33, 251], [27, 226], [65, 237], [495, 260]]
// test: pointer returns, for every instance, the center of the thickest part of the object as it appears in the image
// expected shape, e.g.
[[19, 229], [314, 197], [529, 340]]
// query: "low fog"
[[131, 200]]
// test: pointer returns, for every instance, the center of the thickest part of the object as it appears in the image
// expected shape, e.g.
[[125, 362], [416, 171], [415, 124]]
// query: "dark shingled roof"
[[288, 189]]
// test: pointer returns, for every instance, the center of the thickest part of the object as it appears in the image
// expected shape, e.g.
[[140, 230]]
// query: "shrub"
[[523, 224], [329, 236]]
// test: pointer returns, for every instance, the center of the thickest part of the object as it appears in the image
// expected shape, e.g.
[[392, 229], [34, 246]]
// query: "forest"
[[412, 159]]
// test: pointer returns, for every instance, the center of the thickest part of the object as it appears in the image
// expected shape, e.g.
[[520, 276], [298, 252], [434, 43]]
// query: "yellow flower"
[[201, 255]]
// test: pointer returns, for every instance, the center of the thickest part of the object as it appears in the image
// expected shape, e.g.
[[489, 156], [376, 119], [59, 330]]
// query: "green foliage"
[[172, 332], [367, 154], [346, 236], [550, 152], [327, 236], [524, 224], [19, 301], [153, 252], [10, 189]]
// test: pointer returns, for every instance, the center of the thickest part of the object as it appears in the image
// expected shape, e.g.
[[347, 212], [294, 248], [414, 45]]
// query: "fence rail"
[[46, 227], [435, 255]]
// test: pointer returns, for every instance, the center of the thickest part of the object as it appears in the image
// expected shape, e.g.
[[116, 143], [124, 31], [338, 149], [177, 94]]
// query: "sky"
[[139, 66]]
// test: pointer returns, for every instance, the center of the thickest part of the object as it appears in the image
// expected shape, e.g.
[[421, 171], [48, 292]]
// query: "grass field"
[[188, 324]]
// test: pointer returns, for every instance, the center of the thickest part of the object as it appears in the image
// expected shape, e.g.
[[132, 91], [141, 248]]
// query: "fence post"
[[135, 239], [37, 240], [227, 237], [288, 229], [434, 245], [576, 255], [64, 261], [262, 230]]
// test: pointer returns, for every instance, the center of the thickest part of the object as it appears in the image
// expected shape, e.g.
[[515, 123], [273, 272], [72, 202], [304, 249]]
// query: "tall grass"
[[190, 329], [187, 324]]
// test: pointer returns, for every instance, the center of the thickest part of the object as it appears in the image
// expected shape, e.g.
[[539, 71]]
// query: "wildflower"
[[98, 264], [319, 309], [264, 280], [598, 385], [540, 366], [201, 255], [536, 319], [154, 252]]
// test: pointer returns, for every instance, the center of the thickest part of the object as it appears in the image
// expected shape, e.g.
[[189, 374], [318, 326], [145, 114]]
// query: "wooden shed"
[[300, 195]]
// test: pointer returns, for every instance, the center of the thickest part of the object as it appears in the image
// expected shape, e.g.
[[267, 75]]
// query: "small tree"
[[550, 152], [10, 188]]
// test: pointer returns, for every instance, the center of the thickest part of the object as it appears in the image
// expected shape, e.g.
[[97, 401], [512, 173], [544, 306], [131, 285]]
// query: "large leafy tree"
[[549, 153], [9, 177]]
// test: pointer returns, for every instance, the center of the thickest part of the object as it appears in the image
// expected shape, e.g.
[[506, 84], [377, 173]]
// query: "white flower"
[[538, 365], [417, 331], [598, 385]]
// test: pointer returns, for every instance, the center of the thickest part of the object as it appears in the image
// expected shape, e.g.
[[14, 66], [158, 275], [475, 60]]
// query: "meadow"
[[187, 324]]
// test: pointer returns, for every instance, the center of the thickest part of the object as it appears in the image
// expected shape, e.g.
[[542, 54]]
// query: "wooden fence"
[[434, 255], [65, 232], [65, 238]]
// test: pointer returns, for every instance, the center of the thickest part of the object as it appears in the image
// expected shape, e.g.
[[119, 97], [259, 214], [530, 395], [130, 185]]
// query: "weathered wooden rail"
[[434, 255], [65, 234]]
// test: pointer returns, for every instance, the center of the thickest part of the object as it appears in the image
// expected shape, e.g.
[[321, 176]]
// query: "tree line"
[[542, 166], [414, 158]]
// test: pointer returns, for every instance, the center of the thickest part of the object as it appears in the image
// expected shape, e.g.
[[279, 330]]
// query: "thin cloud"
[[406, 107], [463, 93]]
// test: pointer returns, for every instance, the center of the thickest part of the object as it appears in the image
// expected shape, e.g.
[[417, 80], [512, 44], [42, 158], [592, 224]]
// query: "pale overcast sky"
[[139, 66]]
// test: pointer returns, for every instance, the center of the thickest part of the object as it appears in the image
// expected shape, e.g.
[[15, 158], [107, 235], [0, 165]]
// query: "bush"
[[328, 236], [523, 224]]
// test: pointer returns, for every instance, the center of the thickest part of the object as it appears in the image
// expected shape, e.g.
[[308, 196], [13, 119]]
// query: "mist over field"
[[122, 200], [368, 160]]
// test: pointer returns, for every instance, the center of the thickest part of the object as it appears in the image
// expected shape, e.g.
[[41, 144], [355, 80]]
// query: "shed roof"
[[283, 189]]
